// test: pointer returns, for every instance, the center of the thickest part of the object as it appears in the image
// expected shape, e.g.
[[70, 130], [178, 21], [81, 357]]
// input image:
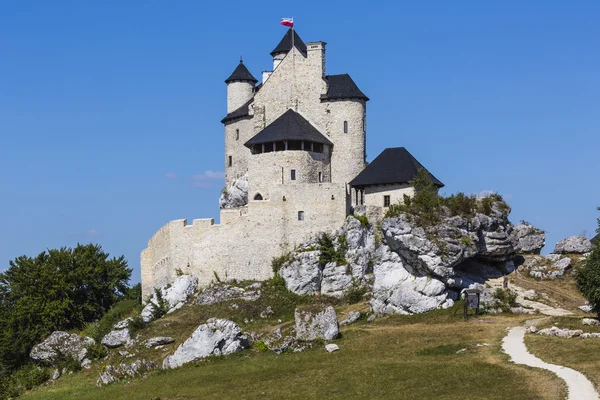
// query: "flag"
[[287, 22]]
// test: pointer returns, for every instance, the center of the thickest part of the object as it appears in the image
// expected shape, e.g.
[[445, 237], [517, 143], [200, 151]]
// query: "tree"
[[588, 276], [56, 290]]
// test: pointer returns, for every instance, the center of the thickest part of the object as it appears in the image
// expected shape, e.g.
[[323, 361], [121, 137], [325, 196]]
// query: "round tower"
[[240, 87]]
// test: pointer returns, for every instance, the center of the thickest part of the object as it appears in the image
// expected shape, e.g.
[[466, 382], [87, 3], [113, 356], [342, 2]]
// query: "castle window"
[[386, 201], [230, 161], [279, 146], [317, 147], [295, 145], [268, 147], [237, 134], [293, 174], [320, 177], [258, 196], [345, 126], [300, 215]]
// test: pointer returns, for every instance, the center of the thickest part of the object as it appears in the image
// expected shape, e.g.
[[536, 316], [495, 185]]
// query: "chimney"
[[316, 55]]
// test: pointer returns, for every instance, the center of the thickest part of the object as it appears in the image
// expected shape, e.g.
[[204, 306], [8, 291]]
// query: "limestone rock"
[[176, 295], [114, 373], [531, 240], [565, 333], [222, 292], [60, 345], [158, 341], [332, 347], [116, 338], [303, 275], [586, 308], [235, 195], [590, 321], [573, 245], [312, 326], [215, 337], [352, 317], [123, 324], [594, 335]]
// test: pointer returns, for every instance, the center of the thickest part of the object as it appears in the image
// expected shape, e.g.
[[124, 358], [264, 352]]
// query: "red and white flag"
[[287, 22]]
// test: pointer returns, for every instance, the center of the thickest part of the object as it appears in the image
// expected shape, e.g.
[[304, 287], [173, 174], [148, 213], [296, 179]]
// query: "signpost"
[[471, 297]]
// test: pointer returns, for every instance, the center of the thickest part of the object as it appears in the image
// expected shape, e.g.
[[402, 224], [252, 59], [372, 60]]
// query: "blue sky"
[[110, 110]]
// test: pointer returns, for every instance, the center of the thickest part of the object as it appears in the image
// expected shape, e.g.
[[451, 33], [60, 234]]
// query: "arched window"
[[258, 196], [237, 134], [345, 126]]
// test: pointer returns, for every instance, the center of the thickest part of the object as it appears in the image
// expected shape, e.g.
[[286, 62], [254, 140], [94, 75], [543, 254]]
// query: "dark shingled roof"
[[393, 165], [286, 43], [241, 73], [342, 87], [241, 112], [289, 126]]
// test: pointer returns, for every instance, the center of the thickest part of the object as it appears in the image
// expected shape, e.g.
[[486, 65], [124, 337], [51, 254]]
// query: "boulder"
[[116, 338], [222, 292], [175, 295], [331, 347], [594, 335], [351, 318], [158, 341], [304, 274], [60, 345], [235, 195], [123, 324], [586, 308], [530, 240], [590, 321], [573, 245], [319, 325], [215, 337]]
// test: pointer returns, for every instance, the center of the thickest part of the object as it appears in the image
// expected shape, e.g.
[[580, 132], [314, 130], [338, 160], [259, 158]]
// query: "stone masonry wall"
[[235, 148], [374, 194]]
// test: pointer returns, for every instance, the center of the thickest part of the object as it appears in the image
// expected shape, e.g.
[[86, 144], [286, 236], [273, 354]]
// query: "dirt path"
[[578, 386]]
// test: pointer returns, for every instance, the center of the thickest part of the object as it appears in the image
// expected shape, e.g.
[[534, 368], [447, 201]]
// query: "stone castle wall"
[[244, 243], [236, 134]]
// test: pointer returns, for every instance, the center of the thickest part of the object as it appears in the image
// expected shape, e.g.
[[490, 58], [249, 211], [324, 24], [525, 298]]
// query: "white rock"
[[59, 345], [332, 347], [594, 335], [116, 338], [235, 195], [573, 245], [123, 324], [352, 317], [590, 321], [158, 341], [586, 308], [216, 337], [322, 325], [531, 240], [176, 295], [555, 331]]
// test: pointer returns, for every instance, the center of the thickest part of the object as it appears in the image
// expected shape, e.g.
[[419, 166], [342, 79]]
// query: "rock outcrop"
[[176, 295], [116, 338], [316, 325], [530, 240], [222, 292], [114, 373], [235, 195], [214, 338], [60, 346], [351, 318], [158, 341], [573, 245], [550, 267]]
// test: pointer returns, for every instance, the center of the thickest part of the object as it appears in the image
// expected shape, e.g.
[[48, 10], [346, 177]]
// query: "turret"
[[285, 45], [240, 87]]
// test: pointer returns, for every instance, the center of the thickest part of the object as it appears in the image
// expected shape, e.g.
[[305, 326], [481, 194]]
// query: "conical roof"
[[285, 44], [289, 126], [241, 73]]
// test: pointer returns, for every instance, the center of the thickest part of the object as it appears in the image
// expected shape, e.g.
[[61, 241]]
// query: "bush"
[[25, 378], [136, 324], [588, 276], [97, 330], [280, 261], [505, 299], [96, 351], [159, 306], [355, 293], [364, 221], [330, 252]]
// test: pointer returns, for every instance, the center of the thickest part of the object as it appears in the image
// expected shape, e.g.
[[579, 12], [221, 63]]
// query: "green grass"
[[579, 354], [400, 357]]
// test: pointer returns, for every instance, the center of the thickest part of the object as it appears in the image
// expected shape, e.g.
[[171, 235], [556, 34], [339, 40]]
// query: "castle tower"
[[285, 45], [240, 87]]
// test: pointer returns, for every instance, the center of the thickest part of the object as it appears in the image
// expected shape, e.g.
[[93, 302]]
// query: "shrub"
[[136, 323], [588, 276], [97, 330], [179, 272], [96, 351], [280, 261], [505, 299], [364, 221], [261, 346], [159, 306], [331, 253], [355, 293], [25, 378], [466, 240]]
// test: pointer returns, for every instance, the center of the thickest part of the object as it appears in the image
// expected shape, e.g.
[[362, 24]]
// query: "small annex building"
[[386, 179]]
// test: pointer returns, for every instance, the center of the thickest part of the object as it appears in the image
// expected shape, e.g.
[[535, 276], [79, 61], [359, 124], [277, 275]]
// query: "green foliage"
[[134, 293], [330, 252], [96, 351], [355, 293], [136, 324], [24, 378], [588, 276], [159, 306], [364, 221], [261, 346], [280, 261], [179, 272], [427, 207], [57, 290], [97, 330], [505, 299], [466, 240]]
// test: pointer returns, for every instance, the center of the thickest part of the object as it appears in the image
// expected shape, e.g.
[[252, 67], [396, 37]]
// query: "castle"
[[295, 148]]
